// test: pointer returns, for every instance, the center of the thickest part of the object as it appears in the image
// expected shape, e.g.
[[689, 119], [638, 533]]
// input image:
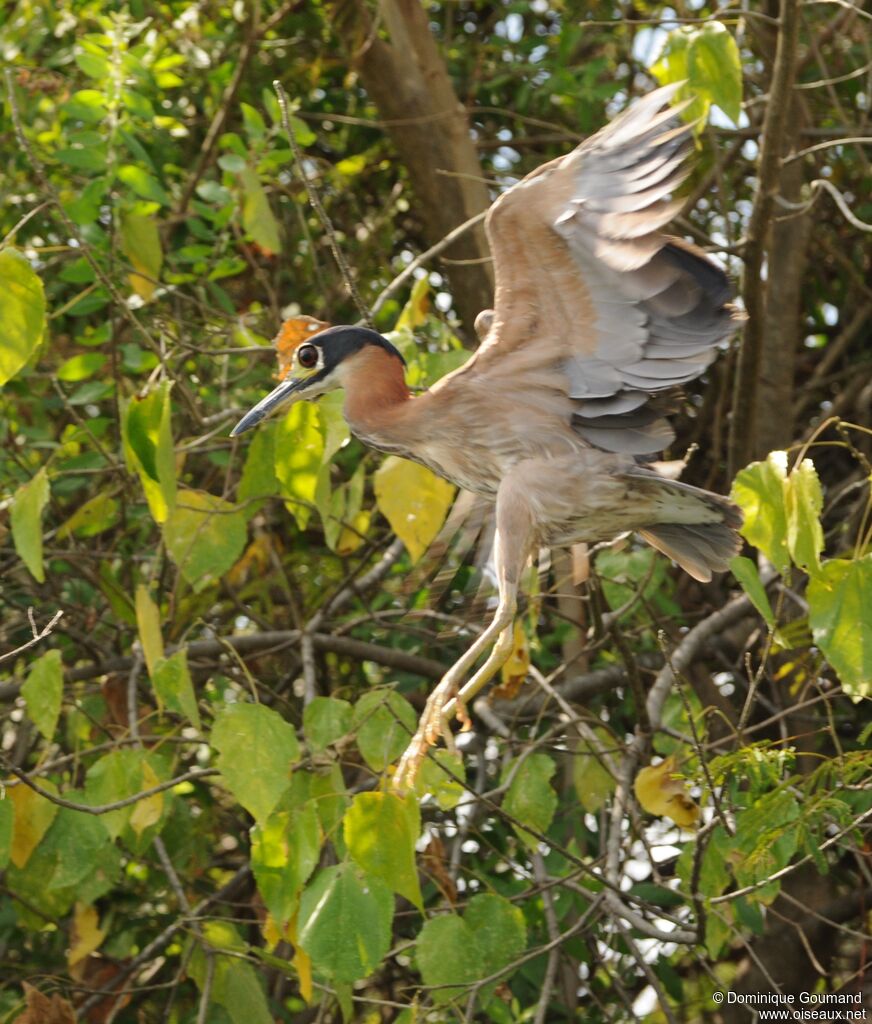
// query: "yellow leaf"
[[415, 310], [514, 671], [301, 961], [148, 624], [352, 536], [86, 935], [413, 500], [660, 793], [148, 810], [33, 815]]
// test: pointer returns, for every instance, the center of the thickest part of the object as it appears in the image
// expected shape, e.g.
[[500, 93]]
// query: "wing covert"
[[585, 278]]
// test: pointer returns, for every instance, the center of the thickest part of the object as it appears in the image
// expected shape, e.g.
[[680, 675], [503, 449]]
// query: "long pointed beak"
[[278, 396]]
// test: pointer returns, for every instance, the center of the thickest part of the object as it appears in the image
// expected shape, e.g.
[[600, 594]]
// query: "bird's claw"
[[433, 726]]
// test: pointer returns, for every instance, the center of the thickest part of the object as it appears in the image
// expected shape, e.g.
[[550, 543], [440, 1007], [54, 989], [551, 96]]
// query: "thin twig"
[[318, 207], [37, 636]]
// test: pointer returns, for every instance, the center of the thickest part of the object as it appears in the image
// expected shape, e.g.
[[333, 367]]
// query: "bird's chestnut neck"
[[375, 389]]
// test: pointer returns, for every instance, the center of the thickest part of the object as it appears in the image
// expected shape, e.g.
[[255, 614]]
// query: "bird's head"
[[324, 362]]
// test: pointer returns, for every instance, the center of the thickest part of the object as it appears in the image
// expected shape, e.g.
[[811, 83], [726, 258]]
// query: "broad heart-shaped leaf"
[[43, 691], [123, 773], [257, 751], [22, 300], [840, 615], [284, 852], [759, 490], [325, 720], [447, 956], [530, 798], [148, 448], [714, 68], [174, 688], [257, 217], [385, 722], [33, 816], [381, 830], [442, 775], [205, 535], [140, 243], [26, 518], [746, 573], [299, 449], [344, 922], [499, 929], [148, 627], [804, 501], [413, 500]]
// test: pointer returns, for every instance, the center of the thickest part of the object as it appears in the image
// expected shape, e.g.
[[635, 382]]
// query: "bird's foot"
[[432, 726]]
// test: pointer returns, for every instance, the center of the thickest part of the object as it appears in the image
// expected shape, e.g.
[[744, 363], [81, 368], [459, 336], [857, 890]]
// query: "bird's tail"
[[702, 547]]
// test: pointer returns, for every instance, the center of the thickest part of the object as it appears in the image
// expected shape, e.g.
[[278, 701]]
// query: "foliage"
[[196, 811]]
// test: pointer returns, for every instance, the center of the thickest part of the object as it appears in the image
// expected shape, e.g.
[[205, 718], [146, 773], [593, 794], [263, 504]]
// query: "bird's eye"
[[307, 356]]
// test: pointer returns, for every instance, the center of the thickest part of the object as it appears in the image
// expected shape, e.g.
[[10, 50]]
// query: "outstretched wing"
[[586, 284]]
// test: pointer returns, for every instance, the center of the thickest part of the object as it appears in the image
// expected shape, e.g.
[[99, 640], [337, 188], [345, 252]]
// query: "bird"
[[559, 415]]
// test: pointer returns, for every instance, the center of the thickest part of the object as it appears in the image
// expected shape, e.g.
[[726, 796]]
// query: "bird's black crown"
[[338, 343]]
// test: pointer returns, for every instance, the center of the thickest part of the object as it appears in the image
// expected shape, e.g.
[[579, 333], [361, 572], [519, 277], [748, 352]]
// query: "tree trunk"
[[409, 83]]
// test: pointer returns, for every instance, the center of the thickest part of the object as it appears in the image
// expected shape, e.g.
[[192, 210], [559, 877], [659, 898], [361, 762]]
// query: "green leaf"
[[23, 302], [257, 751], [448, 955], [234, 983], [345, 923], [591, 778], [140, 243], [368, 821], [438, 777], [43, 692], [299, 447], [28, 503], [148, 625], [257, 217], [385, 722], [746, 573], [499, 929], [530, 798], [804, 502], [7, 816], [332, 423], [413, 500], [148, 448], [258, 481], [759, 490], [326, 720], [714, 68], [173, 686], [143, 184], [242, 993], [81, 367], [840, 615], [98, 514], [78, 841], [672, 67], [113, 777], [204, 535], [284, 852], [34, 815]]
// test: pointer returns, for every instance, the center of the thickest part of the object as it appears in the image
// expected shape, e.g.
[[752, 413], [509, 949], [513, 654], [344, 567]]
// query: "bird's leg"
[[498, 657], [433, 721], [512, 542]]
